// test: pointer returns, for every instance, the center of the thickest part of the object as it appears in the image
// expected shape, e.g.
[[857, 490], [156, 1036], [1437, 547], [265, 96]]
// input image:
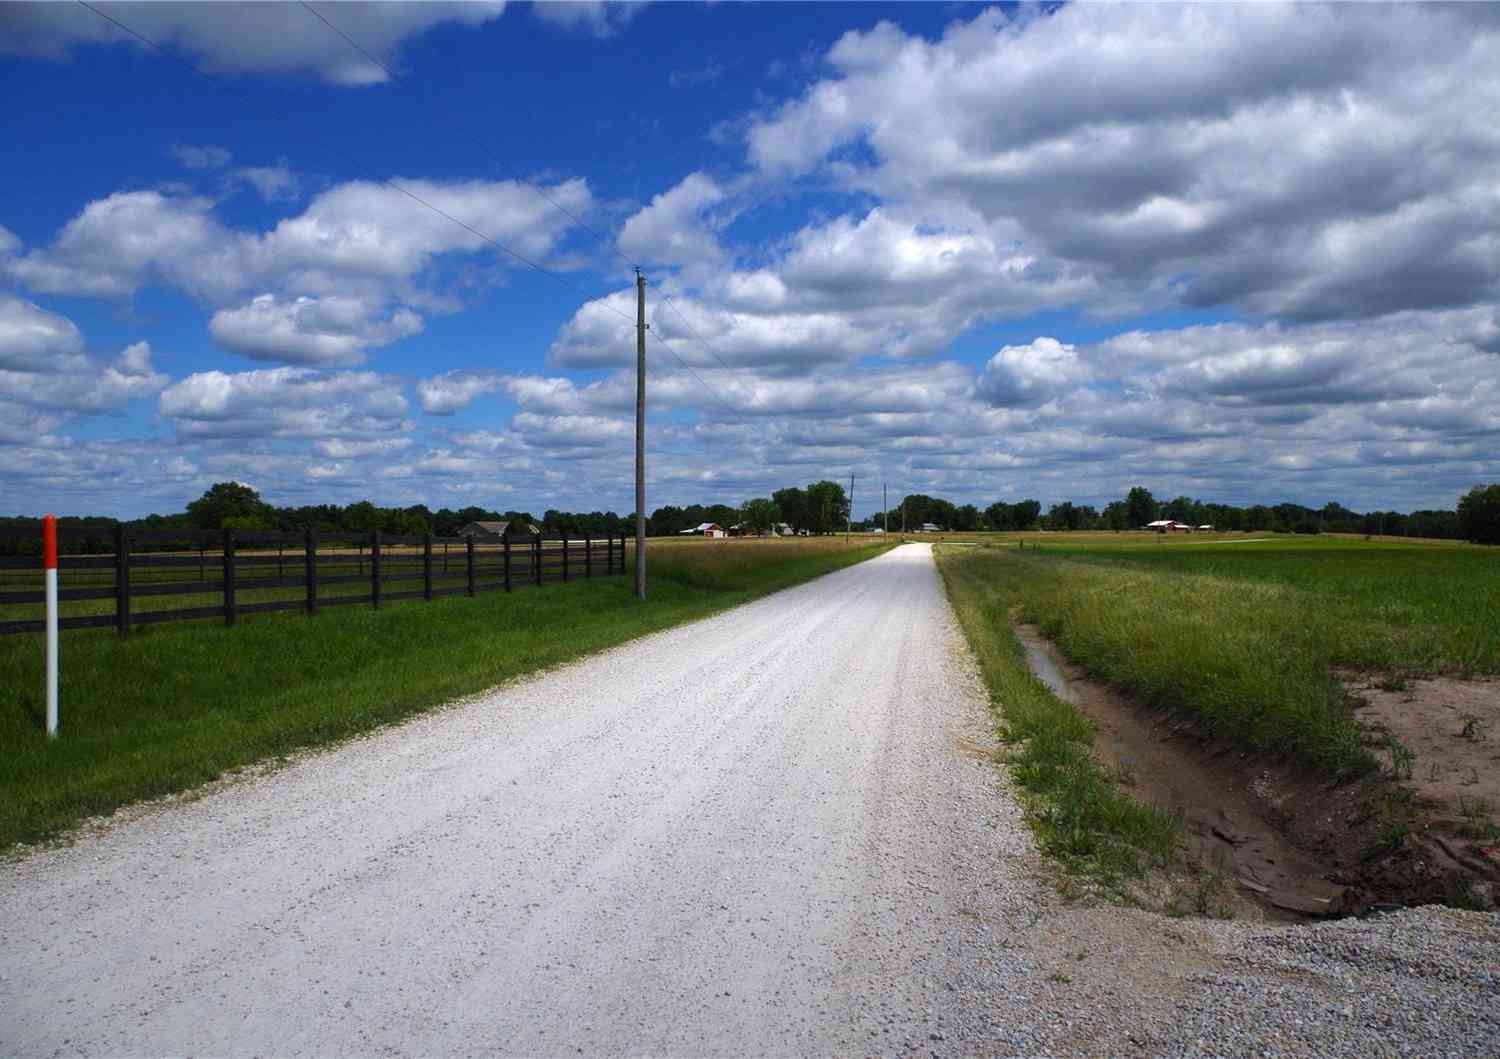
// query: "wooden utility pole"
[[885, 509], [640, 434], [849, 515]]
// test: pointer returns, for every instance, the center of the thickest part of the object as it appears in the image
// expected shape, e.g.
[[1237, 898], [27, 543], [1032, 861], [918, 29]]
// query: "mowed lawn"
[[177, 705], [1248, 635]]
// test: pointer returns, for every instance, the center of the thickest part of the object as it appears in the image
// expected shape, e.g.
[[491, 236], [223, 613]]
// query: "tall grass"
[[1078, 815], [177, 705]]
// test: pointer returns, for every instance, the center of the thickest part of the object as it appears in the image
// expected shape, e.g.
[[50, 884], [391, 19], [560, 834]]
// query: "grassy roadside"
[[175, 706], [1078, 814]]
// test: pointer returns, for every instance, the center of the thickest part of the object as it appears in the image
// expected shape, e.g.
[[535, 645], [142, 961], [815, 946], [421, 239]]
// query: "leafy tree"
[[1479, 514], [231, 500], [762, 514], [1117, 515], [827, 507], [997, 516], [1024, 513], [793, 505], [1140, 507], [966, 519]]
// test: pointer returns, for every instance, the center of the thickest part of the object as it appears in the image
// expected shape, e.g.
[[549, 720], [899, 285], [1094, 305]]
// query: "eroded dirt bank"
[[1295, 844]]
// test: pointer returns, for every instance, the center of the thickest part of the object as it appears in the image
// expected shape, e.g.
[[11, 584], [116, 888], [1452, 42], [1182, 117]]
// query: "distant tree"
[[827, 507], [1024, 513], [761, 513], [1479, 514], [231, 500], [665, 521], [1116, 515], [1060, 516], [997, 516], [966, 519], [362, 517], [1140, 507], [1260, 517], [793, 505]]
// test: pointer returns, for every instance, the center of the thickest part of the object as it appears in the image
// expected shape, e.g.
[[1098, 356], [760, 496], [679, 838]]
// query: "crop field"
[[173, 706]]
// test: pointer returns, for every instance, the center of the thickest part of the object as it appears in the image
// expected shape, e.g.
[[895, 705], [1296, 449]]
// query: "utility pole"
[[849, 515], [640, 434], [885, 509]]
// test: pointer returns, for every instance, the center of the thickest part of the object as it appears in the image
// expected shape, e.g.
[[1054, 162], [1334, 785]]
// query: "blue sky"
[[1243, 253]]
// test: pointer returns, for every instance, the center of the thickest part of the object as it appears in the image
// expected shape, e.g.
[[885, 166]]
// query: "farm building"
[[931, 527], [1166, 525], [705, 529], [498, 531]]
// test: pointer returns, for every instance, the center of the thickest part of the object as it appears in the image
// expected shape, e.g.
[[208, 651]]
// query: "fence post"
[[588, 555], [427, 567], [311, 573], [122, 579], [565, 557], [375, 569], [506, 546], [536, 560], [230, 609], [470, 541]]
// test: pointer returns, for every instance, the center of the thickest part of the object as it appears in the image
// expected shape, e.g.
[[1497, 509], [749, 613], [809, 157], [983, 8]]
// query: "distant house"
[[705, 529], [1206, 526], [499, 531], [931, 527], [783, 529], [1167, 525]]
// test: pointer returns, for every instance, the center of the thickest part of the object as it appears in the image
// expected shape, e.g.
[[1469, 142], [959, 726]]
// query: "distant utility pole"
[[885, 509], [849, 516], [640, 434]]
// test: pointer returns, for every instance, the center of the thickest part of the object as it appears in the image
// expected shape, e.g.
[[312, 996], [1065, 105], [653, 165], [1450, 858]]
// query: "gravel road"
[[776, 831]]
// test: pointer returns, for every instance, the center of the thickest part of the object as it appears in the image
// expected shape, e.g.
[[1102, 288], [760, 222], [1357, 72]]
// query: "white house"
[[705, 529]]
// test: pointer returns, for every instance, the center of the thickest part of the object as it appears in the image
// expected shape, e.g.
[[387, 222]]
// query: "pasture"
[[173, 706]]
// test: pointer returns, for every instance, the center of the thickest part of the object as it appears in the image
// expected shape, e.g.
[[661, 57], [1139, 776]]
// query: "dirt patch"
[[1440, 739], [1293, 843]]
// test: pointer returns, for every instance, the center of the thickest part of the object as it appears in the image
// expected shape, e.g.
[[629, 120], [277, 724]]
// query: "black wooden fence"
[[251, 573]]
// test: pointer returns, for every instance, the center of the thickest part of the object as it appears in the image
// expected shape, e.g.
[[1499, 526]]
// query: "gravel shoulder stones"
[[777, 831]]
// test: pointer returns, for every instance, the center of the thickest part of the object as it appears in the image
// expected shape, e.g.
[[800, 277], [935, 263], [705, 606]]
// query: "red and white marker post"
[[49, 562]]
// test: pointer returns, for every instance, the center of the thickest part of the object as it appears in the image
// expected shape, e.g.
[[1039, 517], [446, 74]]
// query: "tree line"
[[819, 507]]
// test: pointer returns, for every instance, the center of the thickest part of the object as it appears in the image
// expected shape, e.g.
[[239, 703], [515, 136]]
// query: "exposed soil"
[[1296, 844]]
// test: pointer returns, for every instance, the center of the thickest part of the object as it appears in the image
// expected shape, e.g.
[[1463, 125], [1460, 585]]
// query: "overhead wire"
[[383, 180], [604, 239], [663, 342]]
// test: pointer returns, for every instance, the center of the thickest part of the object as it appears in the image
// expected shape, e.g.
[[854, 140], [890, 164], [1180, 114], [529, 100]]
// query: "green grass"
[[1078, 815], [177, 705], [1247, 637]]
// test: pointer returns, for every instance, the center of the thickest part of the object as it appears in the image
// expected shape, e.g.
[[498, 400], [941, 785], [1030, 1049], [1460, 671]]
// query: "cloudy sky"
[[1243, 253]]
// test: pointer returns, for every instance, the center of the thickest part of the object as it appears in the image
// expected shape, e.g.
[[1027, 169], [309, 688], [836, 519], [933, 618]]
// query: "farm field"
[[1272, 647], [177, 705]]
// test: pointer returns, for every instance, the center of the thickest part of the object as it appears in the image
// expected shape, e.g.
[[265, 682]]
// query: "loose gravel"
[[777, 831]]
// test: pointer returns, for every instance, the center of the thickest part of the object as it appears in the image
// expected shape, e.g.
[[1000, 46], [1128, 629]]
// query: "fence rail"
[[253, 573]]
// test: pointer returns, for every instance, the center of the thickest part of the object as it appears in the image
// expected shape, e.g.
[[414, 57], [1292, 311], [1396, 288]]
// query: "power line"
[[701, 381], [667, 300], [540, 191], [383, 180]]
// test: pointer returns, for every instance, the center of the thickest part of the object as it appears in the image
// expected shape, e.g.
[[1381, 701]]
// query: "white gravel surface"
[[776, 831]]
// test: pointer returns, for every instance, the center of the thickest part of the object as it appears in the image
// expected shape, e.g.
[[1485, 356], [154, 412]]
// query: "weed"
[[1059, 977], [1393, 682], [1403, 758], [1477, 824], [1473, 727]]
